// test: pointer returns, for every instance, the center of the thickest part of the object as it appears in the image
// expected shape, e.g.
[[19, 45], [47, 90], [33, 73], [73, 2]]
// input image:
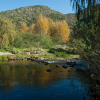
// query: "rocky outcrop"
[[14, 58]]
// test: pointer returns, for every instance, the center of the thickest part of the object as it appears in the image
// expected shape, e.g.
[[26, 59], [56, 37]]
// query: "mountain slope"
[[29, 15]]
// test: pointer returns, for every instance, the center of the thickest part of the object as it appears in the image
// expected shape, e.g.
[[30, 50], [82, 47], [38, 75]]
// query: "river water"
[[29, 80]]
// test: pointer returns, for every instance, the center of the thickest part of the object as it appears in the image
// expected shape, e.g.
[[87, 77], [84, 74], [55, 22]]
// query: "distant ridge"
[[29, 15]]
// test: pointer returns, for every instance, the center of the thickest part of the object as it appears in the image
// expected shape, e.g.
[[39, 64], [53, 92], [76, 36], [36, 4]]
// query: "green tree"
[[86, 36]]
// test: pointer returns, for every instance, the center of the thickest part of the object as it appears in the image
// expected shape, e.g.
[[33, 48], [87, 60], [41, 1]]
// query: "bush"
[[86, 39], [33, 40]]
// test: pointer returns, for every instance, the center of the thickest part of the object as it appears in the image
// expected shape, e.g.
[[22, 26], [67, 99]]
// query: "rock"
[[46, 63], [60, 59], [71, 63], [27, 52], [32, 59], [38, 52], [24, 58], [13, 52], [14, 58], [64, 66], [48, 70], [42, 61], [28, 58], [33, 52], [57, 65], [36, 58], [41, 58]]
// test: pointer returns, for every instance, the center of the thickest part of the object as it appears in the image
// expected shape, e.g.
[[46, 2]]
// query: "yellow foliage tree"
[[51, 26], [41, 26], [57, 29], [23, 28], [7, 32], [61, 30], [31, 28]]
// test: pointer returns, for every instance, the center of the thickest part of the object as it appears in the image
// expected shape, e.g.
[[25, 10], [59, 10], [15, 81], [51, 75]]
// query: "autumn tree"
[[23, 28], [31, 28], [61, 30], [7, 32], [41, 26], [58, 29], [51, 26]]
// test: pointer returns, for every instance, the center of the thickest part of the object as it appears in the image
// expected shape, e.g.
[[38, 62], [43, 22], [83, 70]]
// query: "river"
[[29, 80]]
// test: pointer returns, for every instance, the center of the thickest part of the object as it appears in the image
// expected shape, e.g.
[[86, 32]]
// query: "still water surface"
[[27, 80]]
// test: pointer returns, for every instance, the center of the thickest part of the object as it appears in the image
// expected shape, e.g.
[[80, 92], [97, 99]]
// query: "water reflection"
[[29, 80]]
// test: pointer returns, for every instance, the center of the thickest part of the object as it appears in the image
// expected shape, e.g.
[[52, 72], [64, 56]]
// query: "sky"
[[62, 6]]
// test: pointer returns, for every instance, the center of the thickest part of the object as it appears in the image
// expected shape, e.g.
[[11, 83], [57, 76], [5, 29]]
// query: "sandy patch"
[[5, 53]]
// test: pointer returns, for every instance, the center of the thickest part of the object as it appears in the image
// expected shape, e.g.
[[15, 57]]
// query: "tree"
[[7, 32], [23, 28], [61, 30], [31, 28], [41, 26], [51, 25], [87, 38], [93, 9]]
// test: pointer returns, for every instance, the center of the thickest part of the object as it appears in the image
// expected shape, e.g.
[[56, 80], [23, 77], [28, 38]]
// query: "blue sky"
[[62, 6]]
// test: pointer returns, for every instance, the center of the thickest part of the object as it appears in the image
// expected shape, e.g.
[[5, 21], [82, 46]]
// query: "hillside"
[[29, 15]]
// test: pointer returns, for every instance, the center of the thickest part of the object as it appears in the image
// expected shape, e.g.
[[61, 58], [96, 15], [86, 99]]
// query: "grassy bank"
[[50, 47], [54, 53]]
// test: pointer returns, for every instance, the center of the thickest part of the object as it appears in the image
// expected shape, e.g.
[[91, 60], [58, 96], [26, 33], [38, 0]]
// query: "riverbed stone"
[[64, 66], [57, 65], [46, 63], [48, 70]]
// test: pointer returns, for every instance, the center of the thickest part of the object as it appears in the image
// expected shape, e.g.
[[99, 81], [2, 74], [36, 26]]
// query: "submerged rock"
[[64, 66], [48, 70], [57, 65], [46, 63], [71, 63]]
